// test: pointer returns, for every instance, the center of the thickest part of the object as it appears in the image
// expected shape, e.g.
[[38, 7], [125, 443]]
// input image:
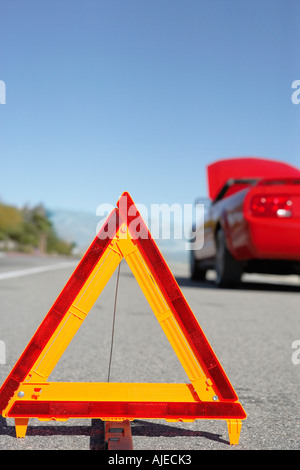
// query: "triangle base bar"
[[108, 410], [233, 413]]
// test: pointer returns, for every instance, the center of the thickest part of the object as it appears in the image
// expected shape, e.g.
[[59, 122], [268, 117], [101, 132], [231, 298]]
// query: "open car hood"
[[220, 172]]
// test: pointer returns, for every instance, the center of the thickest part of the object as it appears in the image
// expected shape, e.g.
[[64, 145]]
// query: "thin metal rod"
[[113, 326]]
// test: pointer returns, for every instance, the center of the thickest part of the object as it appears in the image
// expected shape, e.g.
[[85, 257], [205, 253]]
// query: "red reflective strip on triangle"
[[126, 410], [59, 309], [169, 287]]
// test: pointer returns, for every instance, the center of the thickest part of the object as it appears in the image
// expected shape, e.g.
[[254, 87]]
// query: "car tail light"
[[271, 206]]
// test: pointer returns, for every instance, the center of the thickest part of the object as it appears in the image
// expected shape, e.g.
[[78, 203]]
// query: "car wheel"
[[197, 273], [228, 269]]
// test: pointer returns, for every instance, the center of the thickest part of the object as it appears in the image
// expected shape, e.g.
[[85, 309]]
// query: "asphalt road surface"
[[251, 330]]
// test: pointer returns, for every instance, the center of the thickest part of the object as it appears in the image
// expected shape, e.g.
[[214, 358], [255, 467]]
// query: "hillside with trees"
[[30, 230]]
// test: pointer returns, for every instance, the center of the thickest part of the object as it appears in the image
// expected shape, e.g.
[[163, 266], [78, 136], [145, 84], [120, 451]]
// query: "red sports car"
[[253, 221]]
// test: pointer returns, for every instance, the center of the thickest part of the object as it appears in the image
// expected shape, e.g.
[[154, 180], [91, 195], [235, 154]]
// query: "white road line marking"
[[39, 269]]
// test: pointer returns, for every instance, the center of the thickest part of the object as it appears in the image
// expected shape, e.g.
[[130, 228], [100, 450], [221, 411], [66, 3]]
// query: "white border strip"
[[39, 269]]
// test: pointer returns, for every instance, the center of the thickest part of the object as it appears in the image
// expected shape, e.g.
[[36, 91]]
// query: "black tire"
[[228, 269], [197, 273]]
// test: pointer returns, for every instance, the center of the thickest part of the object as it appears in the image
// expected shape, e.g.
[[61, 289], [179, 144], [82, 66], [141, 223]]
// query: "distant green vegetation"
[[29, 230]]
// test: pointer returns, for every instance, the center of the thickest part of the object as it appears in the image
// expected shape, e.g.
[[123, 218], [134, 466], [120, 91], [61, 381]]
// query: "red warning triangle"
[[26, 393]]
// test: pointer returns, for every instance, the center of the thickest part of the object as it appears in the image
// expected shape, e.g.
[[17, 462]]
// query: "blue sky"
[[106, 96]]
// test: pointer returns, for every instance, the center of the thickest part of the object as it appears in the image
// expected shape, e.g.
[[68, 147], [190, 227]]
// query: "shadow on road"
[[147, 429], [97, 433], [144, 428]]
